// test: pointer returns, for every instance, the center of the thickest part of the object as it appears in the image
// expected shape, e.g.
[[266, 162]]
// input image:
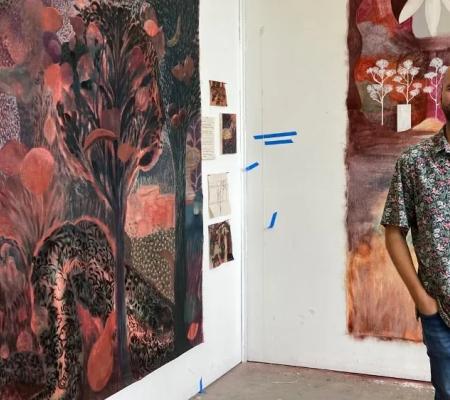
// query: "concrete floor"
[[253, 381]]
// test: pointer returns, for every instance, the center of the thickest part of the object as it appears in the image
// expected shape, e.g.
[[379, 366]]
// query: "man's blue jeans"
[[436, 337]]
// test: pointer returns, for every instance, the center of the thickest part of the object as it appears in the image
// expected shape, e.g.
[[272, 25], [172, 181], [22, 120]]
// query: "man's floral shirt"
[[419, 199]]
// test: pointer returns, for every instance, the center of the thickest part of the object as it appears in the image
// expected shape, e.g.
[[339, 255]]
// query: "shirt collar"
[[440, 141]]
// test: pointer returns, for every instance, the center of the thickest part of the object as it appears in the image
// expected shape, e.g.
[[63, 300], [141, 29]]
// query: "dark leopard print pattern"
[[150, 325], [75, 264]]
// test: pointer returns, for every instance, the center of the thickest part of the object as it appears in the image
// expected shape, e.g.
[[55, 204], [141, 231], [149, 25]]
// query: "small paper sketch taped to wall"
[[218, 198], [228, 133], [208, 133], [220, 244], [218, 93]]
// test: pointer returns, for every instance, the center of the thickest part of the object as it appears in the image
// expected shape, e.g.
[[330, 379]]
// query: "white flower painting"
[[405, 80], [434, 78], [380, 74], [406, 85]]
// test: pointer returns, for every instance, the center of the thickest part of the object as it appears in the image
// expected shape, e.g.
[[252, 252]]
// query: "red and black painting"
[[393, 103], [101, 227]]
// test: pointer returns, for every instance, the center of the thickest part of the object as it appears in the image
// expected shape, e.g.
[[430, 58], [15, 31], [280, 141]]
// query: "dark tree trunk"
[[121, 312]]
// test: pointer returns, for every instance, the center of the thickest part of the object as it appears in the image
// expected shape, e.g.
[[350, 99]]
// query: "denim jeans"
[[436, 337]]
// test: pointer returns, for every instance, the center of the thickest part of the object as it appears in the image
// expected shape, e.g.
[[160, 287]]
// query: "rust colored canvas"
[[393, 102]]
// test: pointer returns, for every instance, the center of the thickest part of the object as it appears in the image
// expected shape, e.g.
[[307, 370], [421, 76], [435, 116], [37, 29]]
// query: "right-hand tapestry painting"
[[398, 54]]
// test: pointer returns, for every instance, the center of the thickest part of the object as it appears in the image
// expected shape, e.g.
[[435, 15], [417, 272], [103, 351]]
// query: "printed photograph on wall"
[[397, 57], [218, 94], [228, 133], [101, 226], [220, 244]]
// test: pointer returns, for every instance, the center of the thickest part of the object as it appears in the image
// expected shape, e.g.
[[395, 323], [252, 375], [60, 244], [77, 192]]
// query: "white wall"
[[220, 59], [296, 79]]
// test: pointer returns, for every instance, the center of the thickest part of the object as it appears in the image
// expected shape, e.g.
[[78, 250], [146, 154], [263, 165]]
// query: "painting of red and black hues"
[[228, 133], [220, 244], [100, 193], [393, 103]]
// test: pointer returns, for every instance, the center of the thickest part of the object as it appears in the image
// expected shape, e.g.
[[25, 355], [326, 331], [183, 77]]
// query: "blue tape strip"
[[201, 390], [275, 135], [273, 220], [251, 166], [276, 142]]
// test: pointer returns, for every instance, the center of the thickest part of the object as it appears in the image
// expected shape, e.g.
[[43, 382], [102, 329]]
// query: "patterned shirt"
[[419, 199]]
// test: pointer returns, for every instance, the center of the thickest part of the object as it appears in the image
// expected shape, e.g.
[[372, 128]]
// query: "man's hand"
[[426, 304], [401, 257]]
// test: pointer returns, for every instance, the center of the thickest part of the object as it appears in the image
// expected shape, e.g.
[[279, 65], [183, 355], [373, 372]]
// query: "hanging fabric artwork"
[[101, 227], [397, 59]]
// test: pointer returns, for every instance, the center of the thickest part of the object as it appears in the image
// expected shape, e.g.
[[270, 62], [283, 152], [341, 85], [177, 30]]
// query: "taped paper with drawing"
[[219, 204], [208, 138]]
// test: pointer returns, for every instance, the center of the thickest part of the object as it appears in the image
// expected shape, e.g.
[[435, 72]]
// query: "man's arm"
[[398, 250]]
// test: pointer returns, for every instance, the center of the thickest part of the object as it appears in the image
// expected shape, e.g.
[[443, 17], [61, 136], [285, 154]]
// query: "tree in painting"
[[95, 95], [115, 129], [434, 78], [405, 79], [380, 74], [179, 86]]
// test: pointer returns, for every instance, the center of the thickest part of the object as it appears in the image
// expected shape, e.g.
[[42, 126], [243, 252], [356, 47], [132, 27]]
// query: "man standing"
[[419, 199]]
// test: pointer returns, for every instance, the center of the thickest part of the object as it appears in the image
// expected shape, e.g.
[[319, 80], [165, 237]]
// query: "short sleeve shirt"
[[419, 199]]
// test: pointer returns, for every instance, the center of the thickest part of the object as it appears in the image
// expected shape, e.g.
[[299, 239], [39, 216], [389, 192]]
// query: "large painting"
[[393, 102], [101, 227]]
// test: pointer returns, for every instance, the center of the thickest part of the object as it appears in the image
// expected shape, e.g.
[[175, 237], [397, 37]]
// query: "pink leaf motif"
[[101, 358], [154, 31], [37, 169], [184, 70], [51, 20], [77, 25], [151, 28], [52, 79], [50, 130], [193, 331], [11, 156], [125, 151]]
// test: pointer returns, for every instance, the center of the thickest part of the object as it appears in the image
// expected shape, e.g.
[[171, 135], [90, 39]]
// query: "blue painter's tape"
[[201, 389], [251, 166], [273, 220], [277, 142], [275, 135]]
